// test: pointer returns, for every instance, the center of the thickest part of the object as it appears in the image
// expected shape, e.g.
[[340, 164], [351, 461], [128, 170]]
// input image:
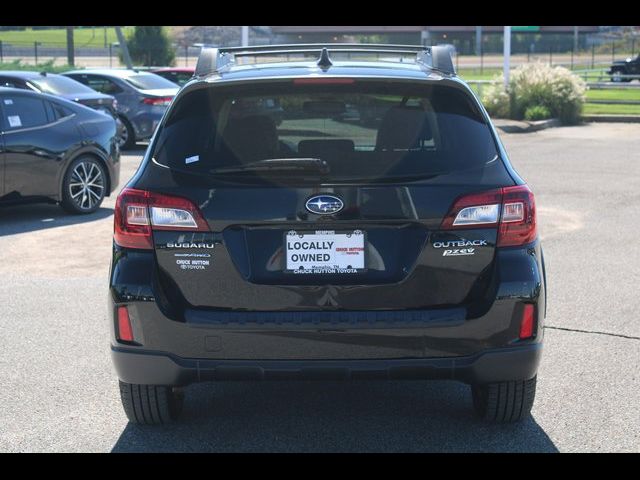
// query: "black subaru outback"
[[374, 230]]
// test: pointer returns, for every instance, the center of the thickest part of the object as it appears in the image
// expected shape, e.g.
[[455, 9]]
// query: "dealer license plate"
[[325, 251]]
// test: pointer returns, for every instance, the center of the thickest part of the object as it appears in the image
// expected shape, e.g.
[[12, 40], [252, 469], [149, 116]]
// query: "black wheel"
[[151, 404], [127, 138], [616, 76], [504, 402], [84, 186]]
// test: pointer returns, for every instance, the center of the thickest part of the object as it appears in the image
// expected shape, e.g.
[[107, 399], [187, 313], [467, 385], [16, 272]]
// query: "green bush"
[[47, 66], [557, 89], [151, 47], [537, 112]]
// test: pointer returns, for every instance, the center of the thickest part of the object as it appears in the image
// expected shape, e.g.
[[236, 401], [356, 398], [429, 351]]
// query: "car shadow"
[[359, 416], [28, 218]]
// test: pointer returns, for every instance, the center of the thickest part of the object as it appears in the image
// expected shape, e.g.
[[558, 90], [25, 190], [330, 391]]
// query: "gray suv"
[[142, 98]]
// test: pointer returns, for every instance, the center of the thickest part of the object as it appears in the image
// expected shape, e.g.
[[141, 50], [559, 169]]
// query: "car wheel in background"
[[504, 402], [127, 138], [151, 404], [84, 185], [616, 76]]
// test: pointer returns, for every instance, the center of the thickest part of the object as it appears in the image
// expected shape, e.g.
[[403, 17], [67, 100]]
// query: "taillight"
[[518, 224], [511, 209], [163, 101], [138, 212]]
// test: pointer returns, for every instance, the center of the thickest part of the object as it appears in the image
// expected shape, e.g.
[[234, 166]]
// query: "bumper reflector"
[[527, 323], [125, 332]]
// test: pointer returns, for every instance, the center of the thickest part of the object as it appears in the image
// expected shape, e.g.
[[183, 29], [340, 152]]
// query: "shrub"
[[150, 46], [537, 112], [557, 89], [496, 99]]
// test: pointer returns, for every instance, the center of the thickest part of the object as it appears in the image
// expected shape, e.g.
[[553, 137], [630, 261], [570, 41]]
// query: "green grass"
[[614, 94], [83, 37], [604, 109], [41, 67], [474, 73]]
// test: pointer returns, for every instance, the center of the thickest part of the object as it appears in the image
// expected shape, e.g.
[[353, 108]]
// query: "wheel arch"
[[90, 152]]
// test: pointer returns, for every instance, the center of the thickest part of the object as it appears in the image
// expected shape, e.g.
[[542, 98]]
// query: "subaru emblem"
[[324, 204]]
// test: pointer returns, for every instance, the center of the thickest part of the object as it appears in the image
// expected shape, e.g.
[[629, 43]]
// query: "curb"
[[513, 126], [612, 118]]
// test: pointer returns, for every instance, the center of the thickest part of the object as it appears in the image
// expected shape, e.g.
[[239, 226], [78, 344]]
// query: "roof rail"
[[212, 60]]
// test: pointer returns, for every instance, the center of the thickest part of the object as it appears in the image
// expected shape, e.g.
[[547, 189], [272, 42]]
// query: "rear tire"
[[616, 76], [150, 404], [84, 185], [127, 139], [504, 402]]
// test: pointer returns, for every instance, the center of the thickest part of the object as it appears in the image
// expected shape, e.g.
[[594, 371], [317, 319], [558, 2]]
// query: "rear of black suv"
[[374, 230]]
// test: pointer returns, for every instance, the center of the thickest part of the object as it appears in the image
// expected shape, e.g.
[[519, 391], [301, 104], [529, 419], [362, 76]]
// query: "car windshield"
[[149, 81], [59, 85], [364, 130]]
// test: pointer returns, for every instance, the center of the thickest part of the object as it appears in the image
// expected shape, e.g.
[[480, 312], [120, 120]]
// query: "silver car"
[[142, 98]]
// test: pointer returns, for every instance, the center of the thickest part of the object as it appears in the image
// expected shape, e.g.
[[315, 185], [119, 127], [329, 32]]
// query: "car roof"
[[174, 69], [398, 62], [112, 72], [291, 70], [26, 74], [37, 94]]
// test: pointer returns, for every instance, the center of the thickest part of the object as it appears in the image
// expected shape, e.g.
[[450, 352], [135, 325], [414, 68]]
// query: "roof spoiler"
[[213, 60]]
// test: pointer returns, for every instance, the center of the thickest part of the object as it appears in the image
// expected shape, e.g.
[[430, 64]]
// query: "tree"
[[151, 46]]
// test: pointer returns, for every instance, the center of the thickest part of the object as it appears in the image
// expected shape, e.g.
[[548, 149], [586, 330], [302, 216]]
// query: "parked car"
[[179, 76], [62, 86], [55, 150], [630, 66], [325, 248], [142, 98]]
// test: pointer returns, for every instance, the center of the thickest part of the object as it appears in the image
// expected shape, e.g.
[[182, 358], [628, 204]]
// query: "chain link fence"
[[598, 54]]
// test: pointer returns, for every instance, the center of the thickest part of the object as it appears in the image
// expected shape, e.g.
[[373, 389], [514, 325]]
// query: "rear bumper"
[[156, 368]]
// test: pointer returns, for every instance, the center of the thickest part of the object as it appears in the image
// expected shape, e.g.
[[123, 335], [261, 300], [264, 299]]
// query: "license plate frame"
[[330, 234]]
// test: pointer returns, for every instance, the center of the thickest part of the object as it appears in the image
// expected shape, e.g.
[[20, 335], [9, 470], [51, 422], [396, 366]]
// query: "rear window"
[[60, 85], [149, 81], [365, 131]]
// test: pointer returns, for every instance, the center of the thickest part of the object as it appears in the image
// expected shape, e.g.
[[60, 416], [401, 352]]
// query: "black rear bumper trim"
[[158, 368]]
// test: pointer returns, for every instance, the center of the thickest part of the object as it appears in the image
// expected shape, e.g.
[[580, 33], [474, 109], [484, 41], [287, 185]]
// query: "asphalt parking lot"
[[59, 392]]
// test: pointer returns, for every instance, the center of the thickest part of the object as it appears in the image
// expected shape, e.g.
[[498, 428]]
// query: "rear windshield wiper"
[[278, 164]]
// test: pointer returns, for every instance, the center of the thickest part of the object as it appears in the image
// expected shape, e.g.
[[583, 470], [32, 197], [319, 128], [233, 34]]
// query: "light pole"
[[111, 45], [245, 36], [507, 55]]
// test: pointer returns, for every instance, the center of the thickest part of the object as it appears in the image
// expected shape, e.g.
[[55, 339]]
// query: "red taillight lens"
[[124, 325], [138, 212], [131, 226], [528, 322], [518, 224], [512, 209], [157, 100]]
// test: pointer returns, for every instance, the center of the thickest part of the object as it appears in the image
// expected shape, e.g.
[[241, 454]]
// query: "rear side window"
[[23, 112], [57, 111], [99, 84], [365, 131], [149, 81], [59, 85], [12, 83]]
